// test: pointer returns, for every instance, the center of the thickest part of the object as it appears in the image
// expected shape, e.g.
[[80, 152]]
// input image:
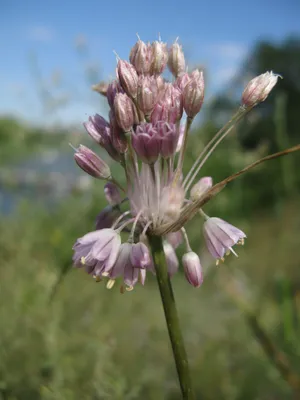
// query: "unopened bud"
[[159, 57], [141, 57], [193, 95], [171, 259], [128, 77], [182, 80], [123, 107], [201, 187], [259, 88], [140, 255], [147, 94], [176, 61], [112, 194], [106, 217], [118, 137], [192, 268], [113, 89], [89, 162]]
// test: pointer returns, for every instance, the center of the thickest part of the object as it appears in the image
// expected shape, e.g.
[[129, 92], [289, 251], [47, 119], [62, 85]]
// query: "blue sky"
[[215, 33]]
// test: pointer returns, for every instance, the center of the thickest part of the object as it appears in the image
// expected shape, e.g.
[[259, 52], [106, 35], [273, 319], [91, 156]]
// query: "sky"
[[43, 45]]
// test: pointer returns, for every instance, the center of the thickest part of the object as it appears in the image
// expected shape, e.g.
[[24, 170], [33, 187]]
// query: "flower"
[[97, 251], [147, 135], [192, 268], [259, 88], [89, 162], [220, 237]]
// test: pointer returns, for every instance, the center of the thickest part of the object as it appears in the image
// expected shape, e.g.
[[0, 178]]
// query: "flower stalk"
[[168, 301]]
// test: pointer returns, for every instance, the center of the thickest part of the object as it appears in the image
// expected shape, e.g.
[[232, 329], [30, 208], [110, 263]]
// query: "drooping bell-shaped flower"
[[97, 251], [220, 236], [192, 268], [140, 255]]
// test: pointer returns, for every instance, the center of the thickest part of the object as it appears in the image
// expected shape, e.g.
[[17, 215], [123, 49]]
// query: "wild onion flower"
[[144, 135], [149, 123]]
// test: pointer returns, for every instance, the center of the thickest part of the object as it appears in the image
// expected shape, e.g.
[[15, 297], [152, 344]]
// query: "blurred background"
[[65, 337]]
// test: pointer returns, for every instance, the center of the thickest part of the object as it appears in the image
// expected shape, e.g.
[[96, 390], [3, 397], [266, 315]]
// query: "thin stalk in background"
[[171, 316]]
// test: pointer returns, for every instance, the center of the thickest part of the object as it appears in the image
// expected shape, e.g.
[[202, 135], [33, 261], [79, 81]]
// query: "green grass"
[[94, 343]]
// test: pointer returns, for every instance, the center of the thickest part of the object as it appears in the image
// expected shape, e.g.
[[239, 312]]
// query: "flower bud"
[[89, 162], [123, 107], [140, 256], [201, 187], [192, 268], [182, 80], [174, 238], [147, 94], [113, 89], [147, 143], [176, 61], [169, 134], [99, 129], [141, 57], [112, 194], [193, 95], [171, 259], [259, 88], [106, 217], [118, 137], [128, 77], [174, 100], [159, 57]]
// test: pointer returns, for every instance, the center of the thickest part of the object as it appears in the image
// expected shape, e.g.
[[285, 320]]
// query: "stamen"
[[129, 288], [217, 262], [110, 283], [97, 278], [232, 251], [105, 273], [82, 260]]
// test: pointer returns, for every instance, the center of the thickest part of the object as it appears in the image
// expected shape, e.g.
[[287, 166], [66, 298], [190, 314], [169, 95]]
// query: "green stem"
[[171, 316]]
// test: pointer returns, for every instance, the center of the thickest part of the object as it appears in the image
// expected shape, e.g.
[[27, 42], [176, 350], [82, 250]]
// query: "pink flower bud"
[[192, 268], [147, 94], [259, 88], [176, 62], [182, 80], [112, 194], [99, 129], [169, 134], [141, 57], [171, 259], [201, 187], [140, 255], [174, 100], [89, 162], [174, 238], [123, 108], [128, 78], [106, 217], [118, 137], [193, 94], [113, 89], [159, 57], [147, 143]]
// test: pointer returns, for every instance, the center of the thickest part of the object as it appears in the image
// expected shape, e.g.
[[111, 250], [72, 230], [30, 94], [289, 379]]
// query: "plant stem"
[[171, 316]]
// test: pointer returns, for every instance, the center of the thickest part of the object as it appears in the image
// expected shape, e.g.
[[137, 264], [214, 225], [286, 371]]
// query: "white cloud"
[[41, 33]]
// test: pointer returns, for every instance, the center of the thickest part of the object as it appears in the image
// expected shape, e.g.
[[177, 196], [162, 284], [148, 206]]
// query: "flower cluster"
[[146, 135]]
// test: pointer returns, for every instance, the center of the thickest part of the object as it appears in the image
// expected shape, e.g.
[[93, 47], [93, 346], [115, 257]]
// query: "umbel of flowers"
[[147, 133]]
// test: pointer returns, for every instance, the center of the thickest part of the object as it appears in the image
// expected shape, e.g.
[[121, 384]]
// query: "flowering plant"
[[147, 136]]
